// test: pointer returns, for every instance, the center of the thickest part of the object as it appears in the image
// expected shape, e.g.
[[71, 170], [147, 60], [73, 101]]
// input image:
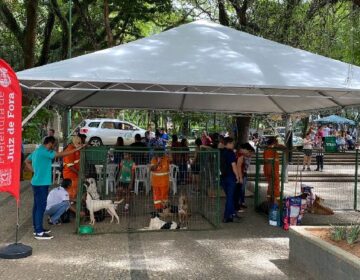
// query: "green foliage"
[[353, 234], [330, 28], [338, 233], [349, 233], [33, 130]]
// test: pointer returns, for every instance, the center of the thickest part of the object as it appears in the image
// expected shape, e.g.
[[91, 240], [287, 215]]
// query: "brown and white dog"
[[94, 203], [183, 210], [319, 209]]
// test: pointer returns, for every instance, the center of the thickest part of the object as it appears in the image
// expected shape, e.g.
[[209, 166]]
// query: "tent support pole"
[[69, 125], [38, 107], [288, 144]]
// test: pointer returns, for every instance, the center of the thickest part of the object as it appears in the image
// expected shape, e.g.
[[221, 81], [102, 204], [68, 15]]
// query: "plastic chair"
[[111, 170], [58, 176], [174, 172], [142, 175]]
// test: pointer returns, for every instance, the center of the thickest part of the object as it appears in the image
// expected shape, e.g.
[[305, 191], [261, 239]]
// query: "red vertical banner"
[[10, 131]]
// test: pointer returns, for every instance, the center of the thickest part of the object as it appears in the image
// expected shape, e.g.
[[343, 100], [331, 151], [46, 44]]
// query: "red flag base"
[[15, 251]]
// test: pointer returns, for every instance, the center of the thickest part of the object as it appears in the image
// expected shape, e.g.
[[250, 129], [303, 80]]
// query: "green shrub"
[[353, 234], [349, 233], [338, 233]]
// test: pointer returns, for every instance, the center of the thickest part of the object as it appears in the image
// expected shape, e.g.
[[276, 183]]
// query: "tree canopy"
[[37, 32]]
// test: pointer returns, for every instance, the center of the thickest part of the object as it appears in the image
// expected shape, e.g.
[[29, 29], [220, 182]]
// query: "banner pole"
[[10, 158], [17, 223]]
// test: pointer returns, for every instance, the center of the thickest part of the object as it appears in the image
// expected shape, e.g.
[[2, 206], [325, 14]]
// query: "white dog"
[[94, 204], [156, 224]]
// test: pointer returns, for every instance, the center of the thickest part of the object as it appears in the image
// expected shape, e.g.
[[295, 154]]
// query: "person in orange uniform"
[[72, 167], [272, 170], [160, 171]]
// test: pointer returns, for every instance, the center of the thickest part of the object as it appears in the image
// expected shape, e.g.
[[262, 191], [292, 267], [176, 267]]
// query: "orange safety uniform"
[[271, 159], [160, 180], [71, 170]]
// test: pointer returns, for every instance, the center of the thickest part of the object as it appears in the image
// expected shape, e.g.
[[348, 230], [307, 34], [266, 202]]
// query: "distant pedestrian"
[[164, 136], [157, 142], [137, 156], [307, 149], [319, 148], [206, 139]]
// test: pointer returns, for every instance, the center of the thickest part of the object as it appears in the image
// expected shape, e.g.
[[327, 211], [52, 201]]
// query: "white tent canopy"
[[201, 66]]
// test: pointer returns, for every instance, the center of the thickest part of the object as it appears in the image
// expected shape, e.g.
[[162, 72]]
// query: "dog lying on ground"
[[183, 210], [168, 212], [94, 203], [156, 223], [319, 209]]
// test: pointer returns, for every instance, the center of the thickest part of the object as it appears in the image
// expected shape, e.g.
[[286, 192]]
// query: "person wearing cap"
[[58, 202]]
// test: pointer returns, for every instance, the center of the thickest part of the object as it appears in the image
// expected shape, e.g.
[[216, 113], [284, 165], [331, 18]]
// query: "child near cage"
[[126, 181]]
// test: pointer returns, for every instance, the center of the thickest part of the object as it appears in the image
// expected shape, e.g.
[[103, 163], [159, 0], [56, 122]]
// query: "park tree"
[[37, 32]]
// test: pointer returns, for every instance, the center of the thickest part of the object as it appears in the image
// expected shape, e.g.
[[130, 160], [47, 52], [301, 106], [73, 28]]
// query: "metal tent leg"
[[38, 107]]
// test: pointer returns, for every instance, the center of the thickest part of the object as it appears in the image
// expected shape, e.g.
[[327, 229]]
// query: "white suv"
[[106, 131]]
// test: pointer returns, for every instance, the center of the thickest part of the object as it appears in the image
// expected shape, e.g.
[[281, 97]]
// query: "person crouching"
[[58, 202]]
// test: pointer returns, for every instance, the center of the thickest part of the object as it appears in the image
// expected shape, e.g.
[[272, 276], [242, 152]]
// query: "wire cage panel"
[[148, 190]]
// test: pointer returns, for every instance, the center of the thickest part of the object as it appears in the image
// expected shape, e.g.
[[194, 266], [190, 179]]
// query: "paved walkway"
[[247, 250]]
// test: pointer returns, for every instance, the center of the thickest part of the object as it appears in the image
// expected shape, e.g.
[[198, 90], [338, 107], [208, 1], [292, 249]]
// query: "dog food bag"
[[302, 211], [295, 207], [286, 213], [274, 215]]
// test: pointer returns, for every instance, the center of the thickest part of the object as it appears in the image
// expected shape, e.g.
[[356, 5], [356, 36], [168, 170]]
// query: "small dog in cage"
[[94, 203], [183, 210]]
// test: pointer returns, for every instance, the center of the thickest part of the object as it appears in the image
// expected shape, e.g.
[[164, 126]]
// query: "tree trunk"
[[306, 125], [109, 35], [223, 16], [64, 26], [30, 33], [185, 127], [44, 57], [243, 128]]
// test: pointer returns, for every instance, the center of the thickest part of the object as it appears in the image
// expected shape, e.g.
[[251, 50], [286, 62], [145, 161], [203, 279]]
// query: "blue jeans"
[[229, 184], [57, 210], [40, 197], [243, 188]]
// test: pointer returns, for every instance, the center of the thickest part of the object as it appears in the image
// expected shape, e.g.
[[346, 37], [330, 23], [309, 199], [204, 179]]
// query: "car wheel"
[[95, 142]]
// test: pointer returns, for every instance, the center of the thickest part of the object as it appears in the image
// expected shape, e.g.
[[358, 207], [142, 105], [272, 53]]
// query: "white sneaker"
[[43, 236], [47, 231]]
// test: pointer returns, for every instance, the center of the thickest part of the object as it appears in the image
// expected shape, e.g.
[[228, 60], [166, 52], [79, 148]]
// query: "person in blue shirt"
[[229, 177], [39, 162], [164, 136], [156, 142]]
